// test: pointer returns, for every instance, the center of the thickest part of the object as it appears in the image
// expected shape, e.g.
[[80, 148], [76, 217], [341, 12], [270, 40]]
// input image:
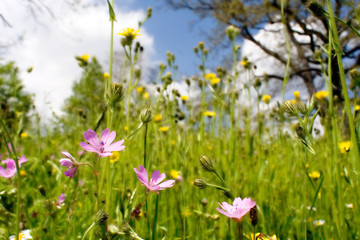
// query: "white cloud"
[[50, 44]]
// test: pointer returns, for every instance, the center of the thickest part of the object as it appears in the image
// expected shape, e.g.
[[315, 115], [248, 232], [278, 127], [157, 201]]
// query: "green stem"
[[145, 136], [154, 230], [18, 177]]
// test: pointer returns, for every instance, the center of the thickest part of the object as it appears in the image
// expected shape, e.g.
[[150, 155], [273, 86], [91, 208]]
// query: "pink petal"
[[225, 213], [91, 137], [66, 162], [106, 137], [89, 147], [70, 172], [166, 184], [142, 174], [157, 178], [116, 146], [68, 155], [105, 154], [226, 206], [22, 160]]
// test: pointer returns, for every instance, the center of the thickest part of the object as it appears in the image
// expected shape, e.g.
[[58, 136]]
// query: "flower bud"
[[200, 183], [253, 216], [149, 12], [196, 50], [42, 190], [232, 32], [146, 116], [101, 217], [201, 45], [207, 163]]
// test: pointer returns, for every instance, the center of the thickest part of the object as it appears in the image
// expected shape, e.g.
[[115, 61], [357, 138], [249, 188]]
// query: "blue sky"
[[175, 31]]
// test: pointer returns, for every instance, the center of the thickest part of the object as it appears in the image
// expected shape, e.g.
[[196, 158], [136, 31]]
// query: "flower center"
[[101, 147]]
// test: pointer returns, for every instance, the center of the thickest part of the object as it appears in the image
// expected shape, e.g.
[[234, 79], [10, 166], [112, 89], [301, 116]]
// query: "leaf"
[[111, 12], [308, 146], [357, 132]]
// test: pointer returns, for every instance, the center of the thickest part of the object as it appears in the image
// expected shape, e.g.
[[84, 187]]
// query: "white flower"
[[23, 235], [319, 222]]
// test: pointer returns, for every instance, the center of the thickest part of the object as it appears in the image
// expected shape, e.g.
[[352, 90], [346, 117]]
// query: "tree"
[[307, 33], [15, 102]]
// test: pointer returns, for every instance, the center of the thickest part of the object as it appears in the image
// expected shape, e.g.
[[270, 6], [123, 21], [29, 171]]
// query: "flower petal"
[[66, 162], [156, 179], [89, 147], [68, 155], [166, 184], [116, 146], [91, 137], [22, 160], [225, 213], [70, 172], [106, 137]]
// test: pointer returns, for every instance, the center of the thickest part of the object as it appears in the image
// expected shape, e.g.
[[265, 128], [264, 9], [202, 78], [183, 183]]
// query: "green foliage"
[[15, 102]]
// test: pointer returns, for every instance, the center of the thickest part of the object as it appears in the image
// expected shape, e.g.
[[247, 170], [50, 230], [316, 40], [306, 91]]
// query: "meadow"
[[233, 170]]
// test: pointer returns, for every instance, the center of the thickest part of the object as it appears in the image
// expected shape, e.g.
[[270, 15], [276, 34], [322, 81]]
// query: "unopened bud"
[[42, 190], [253, 216], [201, 45], [207, 163], [149, 12], [232, 32], [200, 183], [146, 116], [101, 217]]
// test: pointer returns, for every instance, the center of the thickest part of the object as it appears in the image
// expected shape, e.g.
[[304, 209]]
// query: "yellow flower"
[[164, 129], [174, 174], [146, 95], [261, 236], [173, 142], [184, 98], [314, 175], [244, 62], [85, 57], [210, 114], [126, 128], [344, 146], [106, 75], [357, 107], [210, 76], [130, 33], [157, 118], [139, 89], [215, 81], [186, 213], [24, 135], [22, 173], [297, 95], [321, 95], [114, 157], [266, 99]]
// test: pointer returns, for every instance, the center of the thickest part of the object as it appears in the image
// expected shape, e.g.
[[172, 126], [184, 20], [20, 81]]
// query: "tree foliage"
[[15, 102], [307, 33]]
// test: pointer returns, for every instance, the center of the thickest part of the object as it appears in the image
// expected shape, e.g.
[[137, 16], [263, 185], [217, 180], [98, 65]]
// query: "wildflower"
[[146, 95], [139, 89], [297, 95], [126, 128], [266, 99], [85, 57], [261, 236], [164, 129], [154, 185], [232, 32], [10, 167], [319, 222], [106, 75], [245, 63], [184, 98], [115, 157], [104, 147], [157, 118], [61, 198], [350, 205], [357, 107], [24, 235], [238, 210], [210, 76], [210, 114], [22, 173], [24, 135], [176, 175], [321, 95], [344, 146], [215, 81], [130, 33], [314, 175], [70, 163]]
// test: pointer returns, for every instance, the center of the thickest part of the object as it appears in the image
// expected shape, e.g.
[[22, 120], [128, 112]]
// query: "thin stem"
[[18, 178], [239, 230], [145, 136]]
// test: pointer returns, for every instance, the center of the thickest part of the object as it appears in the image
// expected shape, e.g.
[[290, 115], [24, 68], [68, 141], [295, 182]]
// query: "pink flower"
[[104, 146], [238, 210], [10, 170], [70, 163], [61, 198], [154, 184]]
